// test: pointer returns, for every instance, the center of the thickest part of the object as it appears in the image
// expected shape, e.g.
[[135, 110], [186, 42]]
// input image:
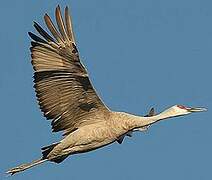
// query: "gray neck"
[[139, 121]]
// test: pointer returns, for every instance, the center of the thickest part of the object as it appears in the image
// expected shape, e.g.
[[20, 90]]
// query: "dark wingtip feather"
[[152, 112], [66, 8], [58, 7], [34, 22], [30, 34], [42, 32], [46, 15], [33, 43], [36, 38]]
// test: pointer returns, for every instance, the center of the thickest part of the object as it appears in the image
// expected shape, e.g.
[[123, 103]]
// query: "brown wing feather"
[[62, 85]]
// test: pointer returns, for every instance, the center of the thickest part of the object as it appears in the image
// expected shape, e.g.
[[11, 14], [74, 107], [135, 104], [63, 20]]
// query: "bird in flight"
[[67, 98]]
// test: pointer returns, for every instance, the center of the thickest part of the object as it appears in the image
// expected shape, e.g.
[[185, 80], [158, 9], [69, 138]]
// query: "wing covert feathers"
[[62, 85]]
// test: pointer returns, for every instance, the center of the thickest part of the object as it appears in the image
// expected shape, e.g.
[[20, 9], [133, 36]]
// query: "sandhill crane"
[[67, 97]]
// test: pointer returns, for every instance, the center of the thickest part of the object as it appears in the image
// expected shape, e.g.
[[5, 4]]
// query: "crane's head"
[[179, 110]]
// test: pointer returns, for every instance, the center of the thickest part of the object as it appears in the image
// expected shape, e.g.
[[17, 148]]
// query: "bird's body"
[[87, 138], [67, 97], [108, 130]]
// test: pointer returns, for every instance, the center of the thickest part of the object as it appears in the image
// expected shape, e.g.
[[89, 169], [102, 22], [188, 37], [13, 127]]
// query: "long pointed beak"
[[197, 109]]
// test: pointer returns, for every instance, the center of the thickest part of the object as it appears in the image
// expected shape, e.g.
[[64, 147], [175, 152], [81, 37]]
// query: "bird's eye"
[[181, 107]]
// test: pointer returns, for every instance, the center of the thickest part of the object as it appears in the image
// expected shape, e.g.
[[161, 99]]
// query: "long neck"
[[138, 121]]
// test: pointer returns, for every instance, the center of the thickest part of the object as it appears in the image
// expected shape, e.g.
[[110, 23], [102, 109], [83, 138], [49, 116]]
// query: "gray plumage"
[[67, 97]]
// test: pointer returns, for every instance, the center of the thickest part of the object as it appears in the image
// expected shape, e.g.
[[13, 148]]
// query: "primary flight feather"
[[67, 97]]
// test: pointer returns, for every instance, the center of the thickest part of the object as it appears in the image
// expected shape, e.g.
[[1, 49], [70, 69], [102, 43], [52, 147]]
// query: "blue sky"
[[139, 54]]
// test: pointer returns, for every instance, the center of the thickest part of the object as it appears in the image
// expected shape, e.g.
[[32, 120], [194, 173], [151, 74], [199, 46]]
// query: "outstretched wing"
[[62, 85]]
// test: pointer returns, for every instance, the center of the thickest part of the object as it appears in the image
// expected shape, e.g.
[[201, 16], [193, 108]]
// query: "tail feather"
[[47, 149], [25, 166]]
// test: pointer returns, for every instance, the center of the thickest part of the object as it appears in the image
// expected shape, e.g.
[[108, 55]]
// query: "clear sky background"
[[139, 54]]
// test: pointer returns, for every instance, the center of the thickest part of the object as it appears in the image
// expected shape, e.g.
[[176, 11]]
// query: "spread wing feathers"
[[62, 85]]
